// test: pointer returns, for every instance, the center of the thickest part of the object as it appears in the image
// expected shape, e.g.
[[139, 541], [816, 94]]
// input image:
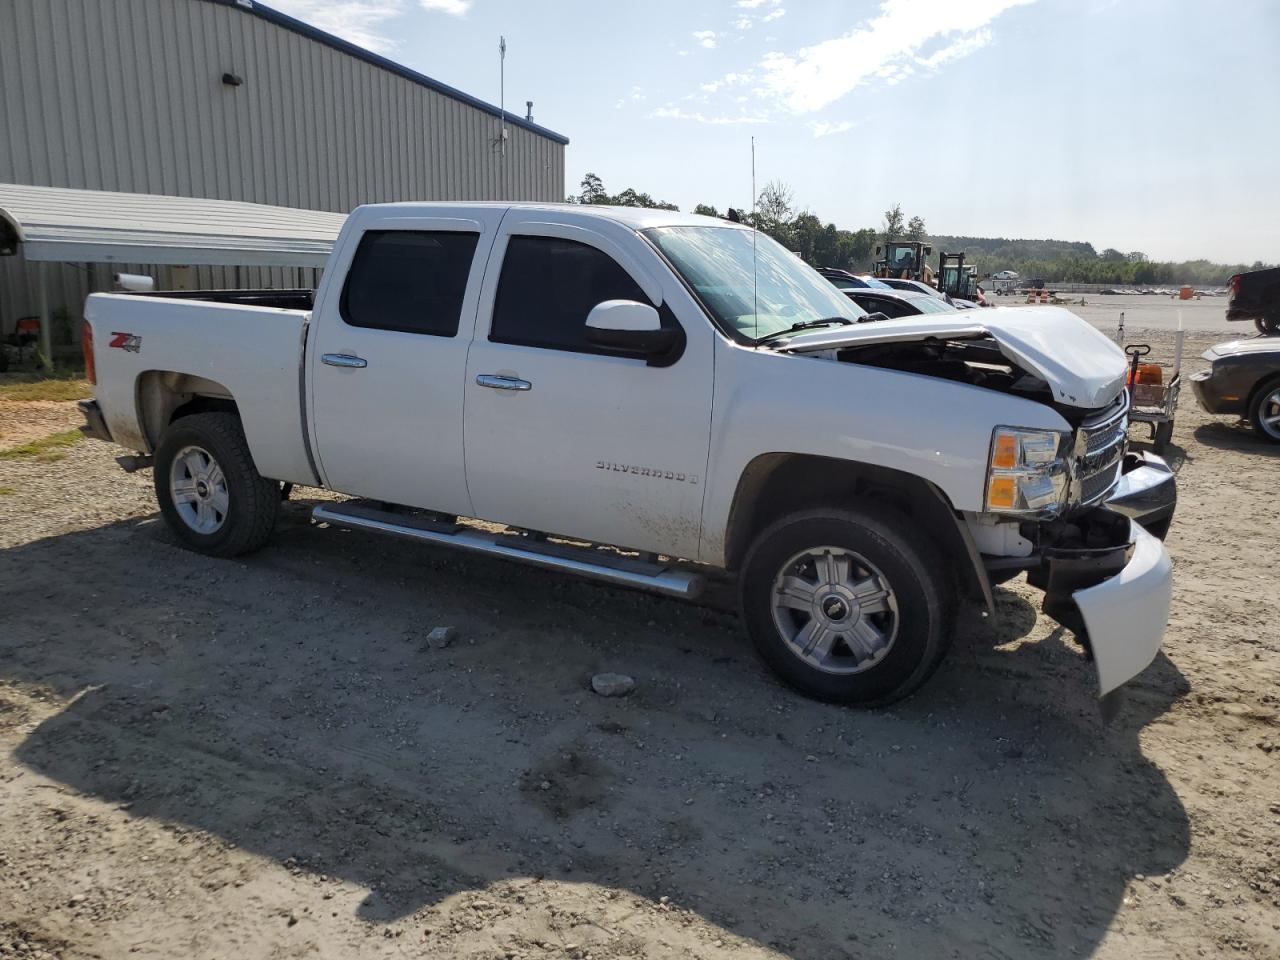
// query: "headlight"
[[1027, 471]]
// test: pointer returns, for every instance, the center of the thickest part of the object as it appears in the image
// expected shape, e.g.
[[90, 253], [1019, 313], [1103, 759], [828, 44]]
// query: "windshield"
[[717, 263], [931, 305]]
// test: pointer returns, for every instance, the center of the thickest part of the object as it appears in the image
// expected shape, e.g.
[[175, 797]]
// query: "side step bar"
[[583, 561]]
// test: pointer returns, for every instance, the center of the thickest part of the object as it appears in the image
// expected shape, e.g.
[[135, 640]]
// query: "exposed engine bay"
[[978, 361]]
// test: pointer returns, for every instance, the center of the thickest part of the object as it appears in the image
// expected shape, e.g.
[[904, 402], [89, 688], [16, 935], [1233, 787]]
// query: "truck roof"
[[638, 218]]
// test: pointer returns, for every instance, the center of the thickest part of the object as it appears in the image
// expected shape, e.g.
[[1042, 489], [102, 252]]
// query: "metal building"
[[231, 100]]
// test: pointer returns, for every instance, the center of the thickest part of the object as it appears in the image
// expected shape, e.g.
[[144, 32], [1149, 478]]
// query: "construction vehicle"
[[903, 260], [953, 279]]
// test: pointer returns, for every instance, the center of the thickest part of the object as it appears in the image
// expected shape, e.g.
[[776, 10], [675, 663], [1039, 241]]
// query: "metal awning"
[[96, 226]]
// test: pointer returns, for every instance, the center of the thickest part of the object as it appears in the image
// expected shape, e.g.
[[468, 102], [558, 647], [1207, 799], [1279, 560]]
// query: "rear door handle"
[[343, 360], [503, 383]]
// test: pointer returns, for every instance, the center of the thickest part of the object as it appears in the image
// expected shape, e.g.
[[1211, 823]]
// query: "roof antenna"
[[755, 228]]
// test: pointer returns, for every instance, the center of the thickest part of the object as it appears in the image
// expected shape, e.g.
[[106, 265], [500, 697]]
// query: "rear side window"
[[409, 280], [547, 288]]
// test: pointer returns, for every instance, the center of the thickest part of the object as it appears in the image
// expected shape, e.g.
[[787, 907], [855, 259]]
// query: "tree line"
[[826, 245]]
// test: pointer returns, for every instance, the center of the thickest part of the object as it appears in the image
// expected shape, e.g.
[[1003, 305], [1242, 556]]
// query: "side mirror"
[[928, 250], [630, 327]]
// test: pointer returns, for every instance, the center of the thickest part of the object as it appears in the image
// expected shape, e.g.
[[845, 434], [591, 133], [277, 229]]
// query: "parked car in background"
[[916, 286], [1256, 296], [844, 280], [898, 303], [1244, 380]]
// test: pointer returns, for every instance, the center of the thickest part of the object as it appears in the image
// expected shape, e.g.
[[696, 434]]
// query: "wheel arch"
[[163, 396], [774, 484]]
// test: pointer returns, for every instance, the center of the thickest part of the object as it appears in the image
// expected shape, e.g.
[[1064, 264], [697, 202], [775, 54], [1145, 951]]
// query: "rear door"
[[568, 438], [389, 353]]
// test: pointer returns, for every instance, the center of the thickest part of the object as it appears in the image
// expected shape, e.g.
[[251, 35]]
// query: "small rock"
[[545, 785], [612, 684], [441, 637]]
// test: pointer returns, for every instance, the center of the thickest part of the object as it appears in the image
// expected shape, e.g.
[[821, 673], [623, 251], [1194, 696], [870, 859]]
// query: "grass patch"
[[73, 387], [46, 449], [7, 491]]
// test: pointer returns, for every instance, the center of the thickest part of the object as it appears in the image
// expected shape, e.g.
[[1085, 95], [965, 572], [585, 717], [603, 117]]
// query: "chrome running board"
[[583, 561]]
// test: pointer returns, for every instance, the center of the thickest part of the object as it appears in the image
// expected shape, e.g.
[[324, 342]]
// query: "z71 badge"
[[126, 341]]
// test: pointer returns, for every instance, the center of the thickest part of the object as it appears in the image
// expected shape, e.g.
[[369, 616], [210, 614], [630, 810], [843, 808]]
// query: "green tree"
[[706, 210], [893, 223], [916, 229], [593, 191]]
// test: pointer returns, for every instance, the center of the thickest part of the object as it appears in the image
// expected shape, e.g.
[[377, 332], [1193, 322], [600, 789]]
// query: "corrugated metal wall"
[[128, 95]]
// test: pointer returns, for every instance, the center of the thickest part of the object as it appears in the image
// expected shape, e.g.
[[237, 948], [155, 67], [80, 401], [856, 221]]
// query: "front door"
[[568, 438], [388, 357]]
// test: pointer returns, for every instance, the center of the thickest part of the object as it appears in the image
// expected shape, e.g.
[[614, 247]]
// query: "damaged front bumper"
[[1147, 492], [1111, 582]]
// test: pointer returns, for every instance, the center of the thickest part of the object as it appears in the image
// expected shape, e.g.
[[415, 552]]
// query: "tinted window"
[[409, 280], [547, 288]]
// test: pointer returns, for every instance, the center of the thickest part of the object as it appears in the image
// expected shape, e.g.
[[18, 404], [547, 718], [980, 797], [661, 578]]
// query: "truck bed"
[[146, 345]]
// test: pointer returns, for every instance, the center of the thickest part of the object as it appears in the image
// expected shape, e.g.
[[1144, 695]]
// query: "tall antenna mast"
[[755, 221], [502, 112]]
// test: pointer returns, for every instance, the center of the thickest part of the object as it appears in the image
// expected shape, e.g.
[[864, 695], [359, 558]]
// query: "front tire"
[[847, 607], [209, 491], [1264, 411], [1163, 436]]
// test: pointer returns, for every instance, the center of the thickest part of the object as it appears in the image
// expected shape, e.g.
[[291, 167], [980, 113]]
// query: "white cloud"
[[705, 38], [774, 14], [356, 20], [743, 23], [966, 45], [456, 8], [678, 113], [824, 129], [883, 47], [756, 4]]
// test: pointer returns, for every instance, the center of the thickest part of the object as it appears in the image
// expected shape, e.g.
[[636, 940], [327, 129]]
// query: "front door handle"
[[503, 383], [343, 360]]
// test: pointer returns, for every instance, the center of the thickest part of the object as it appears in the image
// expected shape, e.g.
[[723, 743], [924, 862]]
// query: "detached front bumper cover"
[[1111, 583]]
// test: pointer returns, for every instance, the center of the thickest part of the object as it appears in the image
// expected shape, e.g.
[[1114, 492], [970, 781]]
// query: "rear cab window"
[[412, 281]]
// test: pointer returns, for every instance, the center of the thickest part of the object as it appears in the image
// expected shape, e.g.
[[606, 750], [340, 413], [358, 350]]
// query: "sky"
[[1149, 125]]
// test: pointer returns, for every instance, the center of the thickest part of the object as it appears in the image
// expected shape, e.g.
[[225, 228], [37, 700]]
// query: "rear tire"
[[847, 607], [1268, 326], [1264, 410], [209, 491]]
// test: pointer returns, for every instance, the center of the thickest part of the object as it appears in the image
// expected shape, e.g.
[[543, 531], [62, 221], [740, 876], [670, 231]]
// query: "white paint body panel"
[[252, 351], [393, 430], [1126, 615], [569, 455], [1081, 366]]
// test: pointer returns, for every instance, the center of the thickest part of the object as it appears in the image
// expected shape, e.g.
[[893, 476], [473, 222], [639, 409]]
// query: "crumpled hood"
[[1082, 367]]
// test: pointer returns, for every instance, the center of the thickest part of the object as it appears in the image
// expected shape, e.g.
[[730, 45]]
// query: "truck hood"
[[1081, 366]]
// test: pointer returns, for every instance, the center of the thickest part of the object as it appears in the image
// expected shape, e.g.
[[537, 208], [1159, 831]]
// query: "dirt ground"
[[22, 422], [263, 759]]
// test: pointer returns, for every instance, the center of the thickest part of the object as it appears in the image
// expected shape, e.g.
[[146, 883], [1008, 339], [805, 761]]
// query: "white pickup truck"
[[639, 395]]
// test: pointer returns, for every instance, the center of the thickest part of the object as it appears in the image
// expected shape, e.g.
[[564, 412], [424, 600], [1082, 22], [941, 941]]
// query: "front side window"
[[547, 288], [751, 286], [409, 280]]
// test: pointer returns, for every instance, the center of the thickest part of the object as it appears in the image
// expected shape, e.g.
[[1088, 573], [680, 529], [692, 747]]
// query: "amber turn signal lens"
[[1005, 455], [1002, 492]]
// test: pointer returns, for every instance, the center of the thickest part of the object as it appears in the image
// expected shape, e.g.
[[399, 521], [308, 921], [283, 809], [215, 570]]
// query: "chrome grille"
[[1100, 447]]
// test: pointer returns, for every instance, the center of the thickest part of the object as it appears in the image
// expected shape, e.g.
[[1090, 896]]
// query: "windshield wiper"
[[807, 325]]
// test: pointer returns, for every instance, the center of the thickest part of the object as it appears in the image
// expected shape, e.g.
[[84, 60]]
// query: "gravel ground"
[[264, 758]]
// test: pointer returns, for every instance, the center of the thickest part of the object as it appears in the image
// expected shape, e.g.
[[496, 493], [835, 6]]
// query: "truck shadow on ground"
[[287, 704], [1238, 436]]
